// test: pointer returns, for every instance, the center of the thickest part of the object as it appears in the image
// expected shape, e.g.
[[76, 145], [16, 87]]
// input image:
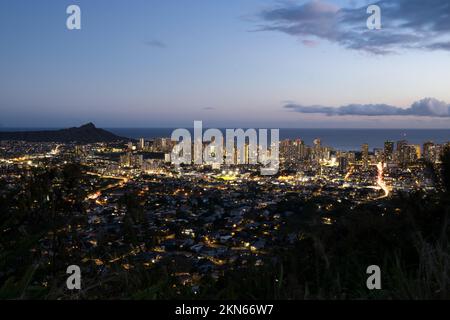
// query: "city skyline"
[[231, 64], [224, 158], [129, 207]]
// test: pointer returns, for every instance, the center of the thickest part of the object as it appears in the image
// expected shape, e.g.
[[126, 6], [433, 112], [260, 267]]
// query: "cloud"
[[209, 108], [406, 24], [428, 107], [440, 46], [156, 44], [310, 43]]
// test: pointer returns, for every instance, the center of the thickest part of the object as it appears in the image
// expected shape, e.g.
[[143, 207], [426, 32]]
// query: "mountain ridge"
[[87, 133]]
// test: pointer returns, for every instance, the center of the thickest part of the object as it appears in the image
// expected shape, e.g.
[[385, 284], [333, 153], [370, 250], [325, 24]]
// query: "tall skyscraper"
[[401, 152], [343, 163], [429, 152], [317, 151], [365, 156], [388, 151], [302, 150]]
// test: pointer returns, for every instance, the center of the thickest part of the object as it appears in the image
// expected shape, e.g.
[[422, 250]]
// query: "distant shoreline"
[[340, 139], [8, 129]]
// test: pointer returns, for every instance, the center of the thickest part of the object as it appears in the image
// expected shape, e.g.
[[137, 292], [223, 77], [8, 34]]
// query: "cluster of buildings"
[[201, 220], [401, 153]]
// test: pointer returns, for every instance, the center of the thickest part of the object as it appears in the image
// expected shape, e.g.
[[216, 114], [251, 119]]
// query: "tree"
[[445, 158]]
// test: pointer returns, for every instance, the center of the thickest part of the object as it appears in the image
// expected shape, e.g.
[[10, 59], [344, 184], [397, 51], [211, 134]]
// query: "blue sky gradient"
[[166, 63]]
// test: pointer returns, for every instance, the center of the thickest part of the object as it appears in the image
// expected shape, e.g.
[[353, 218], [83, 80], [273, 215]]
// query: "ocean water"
[[341, 139]]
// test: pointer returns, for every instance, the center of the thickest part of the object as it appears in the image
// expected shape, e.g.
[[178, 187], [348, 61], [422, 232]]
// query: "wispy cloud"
[[156, 44], [406, 24], [428, 107], [310, 43]]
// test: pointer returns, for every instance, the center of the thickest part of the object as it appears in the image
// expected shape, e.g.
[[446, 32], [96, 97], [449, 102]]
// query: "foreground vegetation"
[[408, 236]]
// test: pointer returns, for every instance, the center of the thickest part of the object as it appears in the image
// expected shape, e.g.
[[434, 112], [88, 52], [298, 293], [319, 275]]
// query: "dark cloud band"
[[426, 108], [406, 24]]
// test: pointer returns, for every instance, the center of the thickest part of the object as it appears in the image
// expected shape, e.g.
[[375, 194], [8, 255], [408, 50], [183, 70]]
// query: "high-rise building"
[[440, 148], [326, 153], [317, 150], [163, 145], [125, 160], [388, 151], [365, 156], [351, 156], [284, 149], [401, 152], [343, 163], [141, 143], [292, 151], [429, 152], [418, 151], [408, 154], [131, 160], [379, 154], [302, 150]]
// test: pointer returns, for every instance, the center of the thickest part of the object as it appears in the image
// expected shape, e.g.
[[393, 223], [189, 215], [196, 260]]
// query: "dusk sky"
[[230, 63]]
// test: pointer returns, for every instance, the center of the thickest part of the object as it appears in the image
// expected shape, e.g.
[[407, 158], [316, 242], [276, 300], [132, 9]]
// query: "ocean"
[[341, 139]]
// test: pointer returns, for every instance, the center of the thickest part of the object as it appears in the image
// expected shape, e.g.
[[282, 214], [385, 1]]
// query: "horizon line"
[[228, 127]]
